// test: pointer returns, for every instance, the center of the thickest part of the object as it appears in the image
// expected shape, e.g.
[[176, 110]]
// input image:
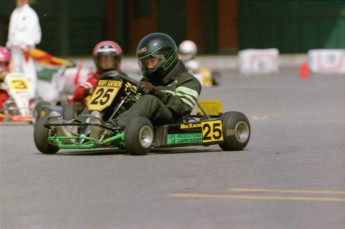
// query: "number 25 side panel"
[[193, 133]]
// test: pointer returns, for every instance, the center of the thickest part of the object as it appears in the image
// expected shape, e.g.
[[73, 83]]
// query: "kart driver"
[[187, 52], [107, 56], [169, 91]]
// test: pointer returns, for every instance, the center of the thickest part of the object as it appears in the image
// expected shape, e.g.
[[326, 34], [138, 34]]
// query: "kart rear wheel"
[[41, 135], [236, 131], [139, 136]]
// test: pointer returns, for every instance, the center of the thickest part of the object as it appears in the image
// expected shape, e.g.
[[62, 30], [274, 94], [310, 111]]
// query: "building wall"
[[227, 35], [142, 19], [68, 27], [210, 23], [195, 17], [217, 26], [292, 26]]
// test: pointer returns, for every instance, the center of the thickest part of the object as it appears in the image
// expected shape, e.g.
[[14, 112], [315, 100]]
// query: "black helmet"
[[163, 49], [107, 49]]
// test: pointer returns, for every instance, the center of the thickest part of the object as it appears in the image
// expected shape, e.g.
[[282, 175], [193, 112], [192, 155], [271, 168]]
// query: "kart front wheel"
[[236, 131], [139, 136], [39, 110], [41, 135]]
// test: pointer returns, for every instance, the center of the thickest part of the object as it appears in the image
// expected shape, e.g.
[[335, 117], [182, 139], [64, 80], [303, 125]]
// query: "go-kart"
[[17, 108], [207, 77], [114, 94]]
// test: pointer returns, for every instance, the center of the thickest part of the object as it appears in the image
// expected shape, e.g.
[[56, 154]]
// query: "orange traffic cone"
[[304, 70]]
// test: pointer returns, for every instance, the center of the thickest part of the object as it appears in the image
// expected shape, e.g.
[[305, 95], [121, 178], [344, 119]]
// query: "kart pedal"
[[95, 118]]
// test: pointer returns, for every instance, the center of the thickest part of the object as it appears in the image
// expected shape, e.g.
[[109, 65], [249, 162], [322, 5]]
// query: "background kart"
[[17, 107], [207, 77], [114, 94]]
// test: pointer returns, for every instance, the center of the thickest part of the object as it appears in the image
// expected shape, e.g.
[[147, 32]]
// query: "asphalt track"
[[291, 175]]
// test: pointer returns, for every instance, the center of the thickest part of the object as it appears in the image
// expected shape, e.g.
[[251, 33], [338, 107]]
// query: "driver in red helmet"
[[107, 57]]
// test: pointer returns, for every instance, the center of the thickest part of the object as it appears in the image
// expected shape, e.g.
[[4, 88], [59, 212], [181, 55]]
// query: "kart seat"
[[209, 108]]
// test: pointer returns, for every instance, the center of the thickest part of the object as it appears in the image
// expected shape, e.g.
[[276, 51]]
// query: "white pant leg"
[[27, 67], [30, 72], [17, 59]]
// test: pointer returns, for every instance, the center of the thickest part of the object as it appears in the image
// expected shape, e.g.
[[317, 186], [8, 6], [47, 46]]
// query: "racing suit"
[[86, 88], [173, 97]]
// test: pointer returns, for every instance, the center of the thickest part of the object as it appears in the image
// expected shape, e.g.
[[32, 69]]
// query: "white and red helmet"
[[187, 50], [107, 49], [5, 56]]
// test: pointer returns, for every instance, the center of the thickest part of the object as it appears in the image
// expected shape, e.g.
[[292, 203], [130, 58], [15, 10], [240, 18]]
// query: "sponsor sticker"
[[104, 94], [184, 138]]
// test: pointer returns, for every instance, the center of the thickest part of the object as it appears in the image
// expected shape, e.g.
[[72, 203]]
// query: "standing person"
[[24, 34], [107, 57], [169, 91]]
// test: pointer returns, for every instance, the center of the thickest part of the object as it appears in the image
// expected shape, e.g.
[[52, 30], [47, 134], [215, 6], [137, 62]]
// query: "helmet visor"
[[106, 61], [4, 66], [151, 63]]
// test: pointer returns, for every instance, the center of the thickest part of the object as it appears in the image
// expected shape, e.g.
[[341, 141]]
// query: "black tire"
[[216, 78], [139, 136], [236, 131], [41, 135], [68, 112], [38, 109]]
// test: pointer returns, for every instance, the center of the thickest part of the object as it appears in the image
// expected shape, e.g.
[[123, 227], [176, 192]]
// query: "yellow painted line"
[[245, 197], [288, 191]]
